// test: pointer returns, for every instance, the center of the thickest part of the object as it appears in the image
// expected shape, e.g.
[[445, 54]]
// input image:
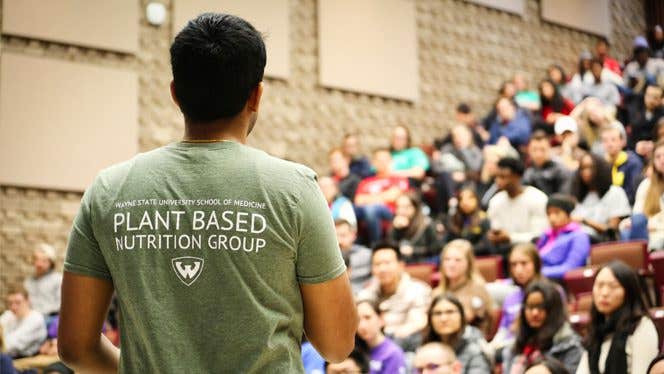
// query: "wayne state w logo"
[[188, 268]]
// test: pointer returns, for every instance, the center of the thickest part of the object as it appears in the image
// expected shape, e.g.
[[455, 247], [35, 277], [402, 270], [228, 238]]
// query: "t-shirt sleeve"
[[618, 203], [84, 256], [318, 254]]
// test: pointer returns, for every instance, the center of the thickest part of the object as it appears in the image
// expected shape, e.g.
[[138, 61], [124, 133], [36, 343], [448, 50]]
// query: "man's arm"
[[81, 345], [330, 317]]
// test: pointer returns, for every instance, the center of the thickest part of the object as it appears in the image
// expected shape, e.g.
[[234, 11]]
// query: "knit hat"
[[47, 250], [561, 201], [640, 42], [565, 123]]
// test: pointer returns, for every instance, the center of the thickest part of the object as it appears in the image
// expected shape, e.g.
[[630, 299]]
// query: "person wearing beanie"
[[564, 246], [44, 285]]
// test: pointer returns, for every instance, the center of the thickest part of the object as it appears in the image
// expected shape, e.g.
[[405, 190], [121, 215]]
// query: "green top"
[[206, 245], [409, 158]]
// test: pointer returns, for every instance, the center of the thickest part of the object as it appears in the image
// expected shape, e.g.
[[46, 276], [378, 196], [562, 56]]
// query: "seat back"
[[657, 263], [491, 267], [422, 272], [580, 280], [634, 253]]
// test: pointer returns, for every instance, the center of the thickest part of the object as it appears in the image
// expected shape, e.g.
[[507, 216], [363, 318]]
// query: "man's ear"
[[254, 101], [173, 96]]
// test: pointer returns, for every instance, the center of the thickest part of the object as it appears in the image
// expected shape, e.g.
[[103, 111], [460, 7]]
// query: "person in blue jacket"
[[511, 122], [565, 245]]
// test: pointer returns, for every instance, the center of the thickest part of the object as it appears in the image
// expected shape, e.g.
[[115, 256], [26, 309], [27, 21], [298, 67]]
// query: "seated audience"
[[511, 123], [591, 117], [556, 74], [312, 361], [517, 213], [385, 356], [469, 222], [524, 97], [602, 53], [447, 325], [414, 232], [402, 300], [647, 206], [357, 362], [543, 331], [577, 84], [567, 135], [621, 337], [359, 255], [602, 89], [547, 365], [376, 196], [339, 166], [44, 285], [340, 206], [643, 117], [359, 163], [407, 160], [436, 358], [601, 204], [544, 173], [24, 329], [553, 104], [459, 276], [643, 69], [626, 165], [486, 186], [525, 267], [564, 246]]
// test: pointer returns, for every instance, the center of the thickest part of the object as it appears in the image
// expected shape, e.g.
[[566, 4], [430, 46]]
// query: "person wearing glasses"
[[447, 324], [436, 358], [543, 331]]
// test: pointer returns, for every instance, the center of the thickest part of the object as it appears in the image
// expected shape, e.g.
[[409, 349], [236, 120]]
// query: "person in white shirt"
[[44, 285], [23, 328], [517, 213]]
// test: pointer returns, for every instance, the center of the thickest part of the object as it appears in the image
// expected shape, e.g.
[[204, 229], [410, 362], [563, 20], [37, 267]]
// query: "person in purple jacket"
[[385, 355], [565, 245]]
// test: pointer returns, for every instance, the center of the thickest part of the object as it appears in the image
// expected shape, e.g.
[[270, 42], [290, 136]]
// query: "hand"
[[497, 236], [400, 222], [458, 176], [644, 147], [406, 250], [435, 155]]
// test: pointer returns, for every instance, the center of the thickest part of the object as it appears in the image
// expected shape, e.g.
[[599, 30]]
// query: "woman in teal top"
[[407, 161]]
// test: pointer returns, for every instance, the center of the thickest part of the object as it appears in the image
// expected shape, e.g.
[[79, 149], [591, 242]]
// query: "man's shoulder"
[[535, 194]]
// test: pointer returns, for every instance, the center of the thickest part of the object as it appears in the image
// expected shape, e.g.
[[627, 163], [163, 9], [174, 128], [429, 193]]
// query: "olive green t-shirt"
[[206, 245]]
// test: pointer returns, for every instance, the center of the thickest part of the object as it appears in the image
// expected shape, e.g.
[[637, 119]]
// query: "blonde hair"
[[466, 249], [651, 204]]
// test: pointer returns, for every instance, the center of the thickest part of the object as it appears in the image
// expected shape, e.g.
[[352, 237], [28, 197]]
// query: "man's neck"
[[22, 313], [390, 289], [612, 158], [514, 191], [377, 340], [234, 129]]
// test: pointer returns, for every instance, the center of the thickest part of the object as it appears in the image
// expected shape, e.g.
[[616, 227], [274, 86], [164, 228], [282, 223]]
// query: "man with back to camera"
[[220, 255]]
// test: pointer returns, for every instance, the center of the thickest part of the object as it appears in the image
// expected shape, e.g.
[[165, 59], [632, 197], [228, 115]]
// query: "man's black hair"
[[513, 164], [217, 60], [386, 244], [463, 108]]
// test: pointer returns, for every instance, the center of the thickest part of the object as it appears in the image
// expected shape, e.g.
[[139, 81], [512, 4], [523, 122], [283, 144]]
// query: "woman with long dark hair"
[[553, 104], [543, 331], [469, 221], [447, 325], [414, 231], [601, 205], [621, 338]]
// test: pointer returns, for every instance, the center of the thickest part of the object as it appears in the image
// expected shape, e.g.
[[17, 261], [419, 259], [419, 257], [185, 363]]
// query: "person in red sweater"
[[375, 197], [553, 104]]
